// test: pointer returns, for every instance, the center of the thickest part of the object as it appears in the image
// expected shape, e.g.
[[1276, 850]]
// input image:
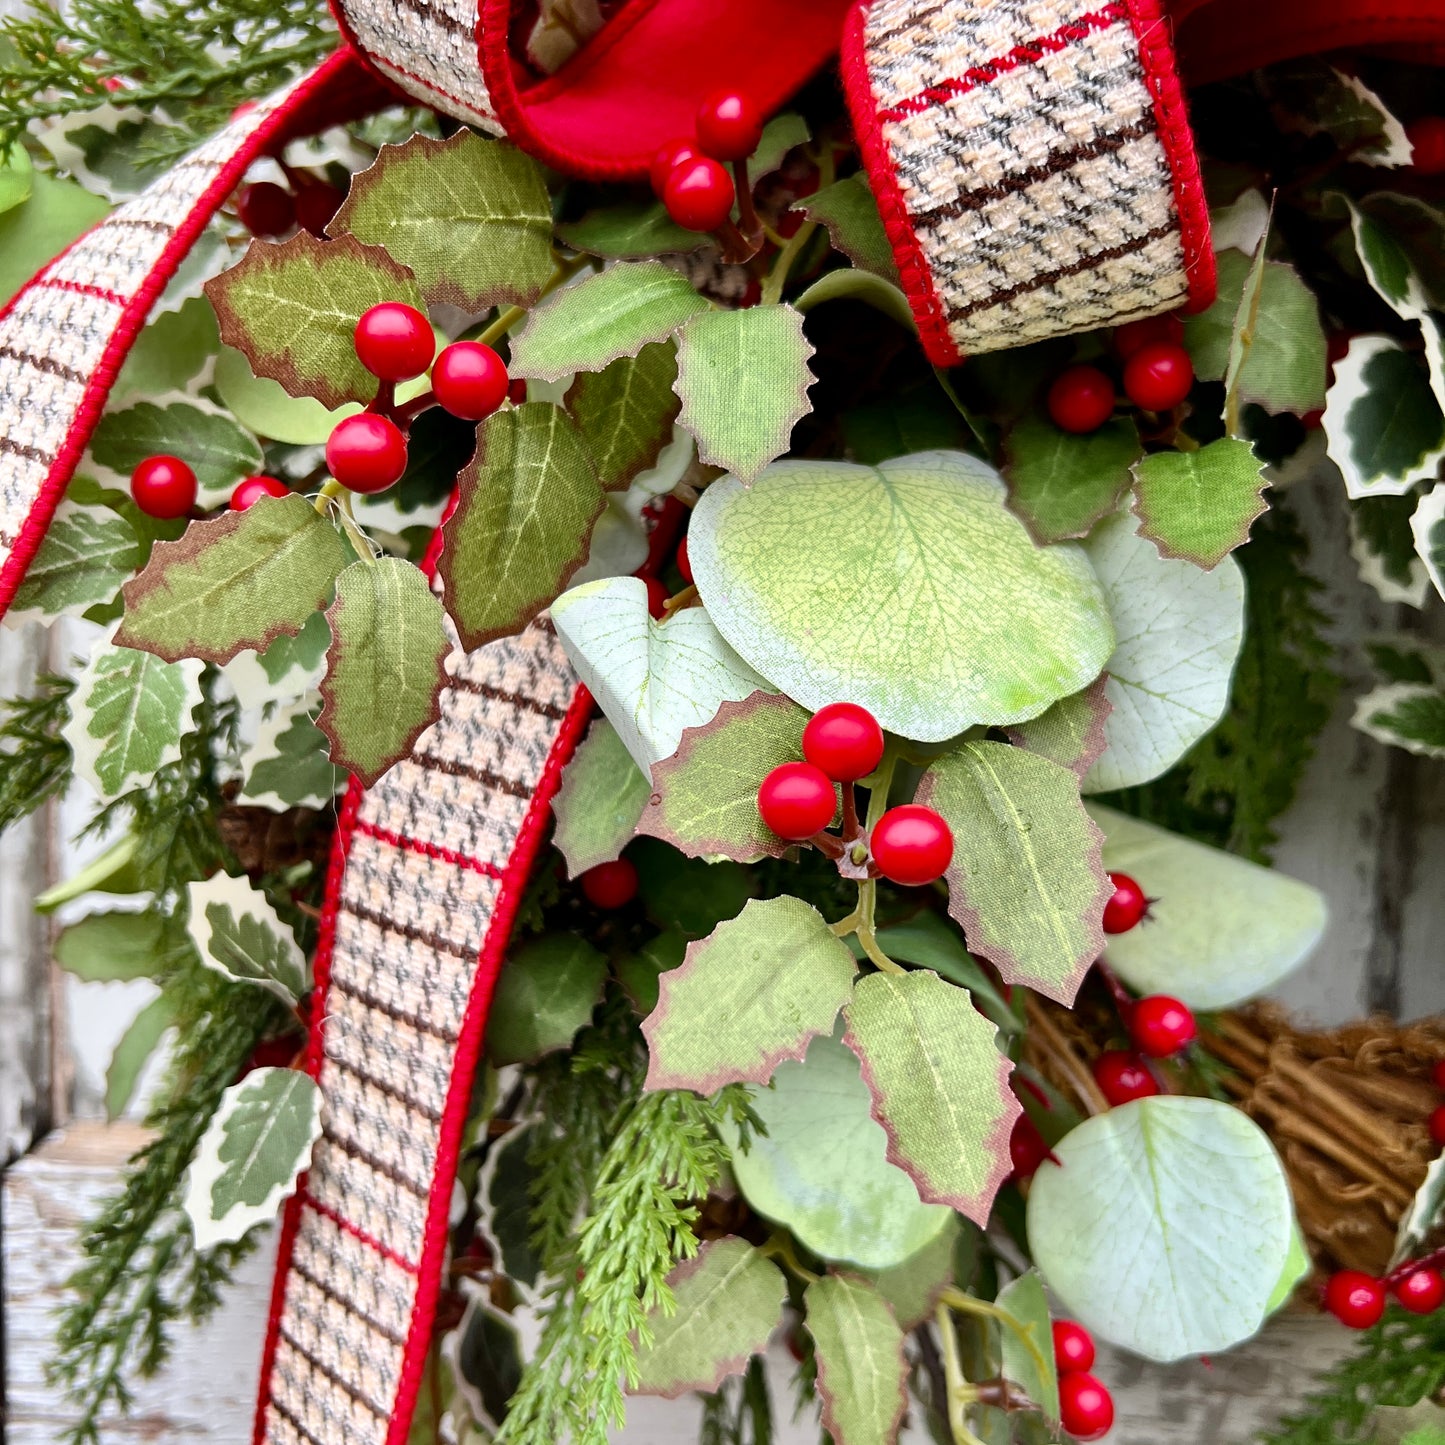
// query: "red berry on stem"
[[684, 562], [394, 341], [1437, 1125], [1073, 1347], [728, 126], [1081, 399], [250, 490], [470, 380], [1161, 1026], [797, 800], [265, 209], [1134, 336], [911, 845], [844, 740], [1086, 1408], [667, 160], [1026, 1148], [657, 596], [1355, 1299], [610, 885], [316, 204], [1126, 906], [1158, 376], [1422, 1291], [163, 486], [1427, 144], [366, 452], [1437, 1073], [699, 194], [1123, 1077]]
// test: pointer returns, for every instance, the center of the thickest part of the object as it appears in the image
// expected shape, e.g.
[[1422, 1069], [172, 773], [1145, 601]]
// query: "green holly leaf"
[[257, 1144], [939, 1086], [86, 555], [625, 412], [1383, 545], [801, 573], [30, 235], [756, 991], [113, 947], [652, 679], [616, 313], [1060, 484], [931, 941], [640, 973], [1313, 97], [781, 134], [1025, 883], [288, 765], [728, 1300], [602, 796], [743, 378], [913, 1287], [471, 217], [633, 230], [207, 440], [1199, 506], [545, 993], [1164, 1225], [292, 308], [240, 580], [239, 934], [1406, 715], [687, 895], [855, 228], [529, 498], [134, 1049], [1072, 732], [862, 1375], [1033, 1370]]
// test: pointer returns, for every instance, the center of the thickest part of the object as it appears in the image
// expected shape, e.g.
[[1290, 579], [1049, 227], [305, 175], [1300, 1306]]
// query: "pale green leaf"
[[1296, 1267], [112, 947], [1032, 1369], [626, 411], [238, 933], [172, 348], [287, 764], [267, 409], [1072, 733], [30, 235], [208, 441], [545, 993], [913, 1287], [862, 1375], [851, 284], [1061, 483], [86, 555], [850, 213], [1406, 715], [133, 1051], [17, 177], [1199, 505], [602, 796]]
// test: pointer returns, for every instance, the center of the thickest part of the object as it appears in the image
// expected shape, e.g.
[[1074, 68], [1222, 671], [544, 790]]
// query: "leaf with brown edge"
[[1027, 881], [1199, 506], [862, 1374], [939, 1086], [385, 668], [626, 412], [755, 991], [1071, 732], [241, 580], [293, 308], [1061, 483]]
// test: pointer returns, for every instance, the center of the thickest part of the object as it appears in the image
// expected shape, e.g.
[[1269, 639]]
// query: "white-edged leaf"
[[238, 933], [1427, 526], [1407, 715], [1423, 1214], [86, 555], [286, 764]]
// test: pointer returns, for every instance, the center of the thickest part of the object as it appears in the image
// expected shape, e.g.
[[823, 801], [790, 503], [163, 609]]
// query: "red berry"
[[1427, 144], [1073, 1348], [610, 885], [684, 562], [1081, 399], [1437, 1073], [1422, 1291], [517, 391], [394, 341], [657, 596], [250, 491], [797, 800], [728, 126], [1133, 336], [1158, 376], [1126, 906], [699, 194], [366, 452], [316, 204], [1160, 1026], [1355, 1299], [1026, 1148], [844, 740], [163, 486], [1086, 1408], [667, 160], [1123, 1077], [1437, 1125], [470, 380], [912, 845], [265, 209]]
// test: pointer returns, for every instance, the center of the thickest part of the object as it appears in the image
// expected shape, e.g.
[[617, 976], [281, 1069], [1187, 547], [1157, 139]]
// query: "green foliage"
[[546, 992], [626, 411], [214, 447], [602, 795], [86, 555], [850, 213], [32, 234], [1199, 505], [34, 758], [1060, 483]]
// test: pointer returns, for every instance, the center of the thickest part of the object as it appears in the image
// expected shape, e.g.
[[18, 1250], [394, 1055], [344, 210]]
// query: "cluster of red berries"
[[265, 208], [165, 487], [1085, 1406], [688, 174], [1157, 376], [1159, 1026]]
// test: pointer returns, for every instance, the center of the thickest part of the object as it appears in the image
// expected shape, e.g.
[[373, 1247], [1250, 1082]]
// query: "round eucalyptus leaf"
[[907, 587]]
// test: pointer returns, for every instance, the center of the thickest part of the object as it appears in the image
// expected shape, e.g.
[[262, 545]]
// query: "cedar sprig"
[[34, 758]]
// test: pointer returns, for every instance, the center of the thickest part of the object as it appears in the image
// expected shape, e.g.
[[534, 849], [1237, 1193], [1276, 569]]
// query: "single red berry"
[[657, 596], [1073, 1348], [366, 452], [1422, 1291], [265, 209], [728, 126], [911, 845], [610, 885], [844, 740], [1081, 399], [667, 160], [272, 1054], [470, 380], [1355, 1299], [1126, 906], [1427, 144], [1313, 420], [1133, 336], [250, 491], [394, 341], [517, 391], [1086, 1408], [684, 562], [797, 800], [316, 204], [163, 486], [1123, 1077], [1437, 1125], [1437, 1073], [699, 194], [1161, 1026], [1158, 376], [1026, 1148]]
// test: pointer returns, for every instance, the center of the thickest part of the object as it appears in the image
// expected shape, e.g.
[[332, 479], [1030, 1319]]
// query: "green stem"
[[878, 793], [967, 1304], [507, 319], [780, 1247], [867, 901], [329, 489], [958, 1386], [778, 276]]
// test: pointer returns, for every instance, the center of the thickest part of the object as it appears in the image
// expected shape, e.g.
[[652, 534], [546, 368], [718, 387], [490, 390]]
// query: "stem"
[[507, 319], [360, 542], [780, 1247], [967, 1304], [958, 1388], [414, 408], [844, 926], [867, 900], [1433, 1260], [878, 794], [778, 276], [752, 227], [827, 844], [851, 828], [384, 402], [1123, 999], [329, 489], [736, 248]]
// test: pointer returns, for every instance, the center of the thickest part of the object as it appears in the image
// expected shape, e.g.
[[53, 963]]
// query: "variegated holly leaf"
[[545, 993], [238, 933], [939, 1086], [1072, 732], [743, 378], [1025, 884], [625, 412], [86, 555], [208, 440], [862, 1375], [484, 236], [258, 1143], [133, 1051], [913, 1287], [602, 796], [1423, 1215], [1407, 715], [592, 322], [529, 498], [292, 308], [1029, 1363], [850, 213], [1384, 547], [290, 666], [1199, 506], [1427, 529], [1060, 483], [754, 992], [1316, 98], [704, 798], [488, 1370], [287, 764], [728, 1300], [241, 580]]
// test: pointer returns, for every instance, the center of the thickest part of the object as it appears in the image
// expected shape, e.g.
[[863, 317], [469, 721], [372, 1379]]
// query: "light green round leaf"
[[1165, 1225], [30, 235], [546, 992], [907, 587], [1220, 929], [822, 1169], [265, 407], [17, 176], [1296, 1266]]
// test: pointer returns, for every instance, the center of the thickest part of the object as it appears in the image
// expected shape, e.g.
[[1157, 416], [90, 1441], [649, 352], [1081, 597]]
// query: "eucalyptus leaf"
[[267, 409], [113, 947], [545, 993]]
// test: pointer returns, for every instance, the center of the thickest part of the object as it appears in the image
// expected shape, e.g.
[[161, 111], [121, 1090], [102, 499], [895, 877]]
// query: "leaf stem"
[[867, 901], [507, 319], [329, 488], [958, 1387], [956, 1299], [782, 264], [780, 1247]]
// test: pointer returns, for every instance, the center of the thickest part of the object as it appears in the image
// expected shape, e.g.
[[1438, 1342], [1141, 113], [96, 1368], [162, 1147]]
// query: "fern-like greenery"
[[34, 758]]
